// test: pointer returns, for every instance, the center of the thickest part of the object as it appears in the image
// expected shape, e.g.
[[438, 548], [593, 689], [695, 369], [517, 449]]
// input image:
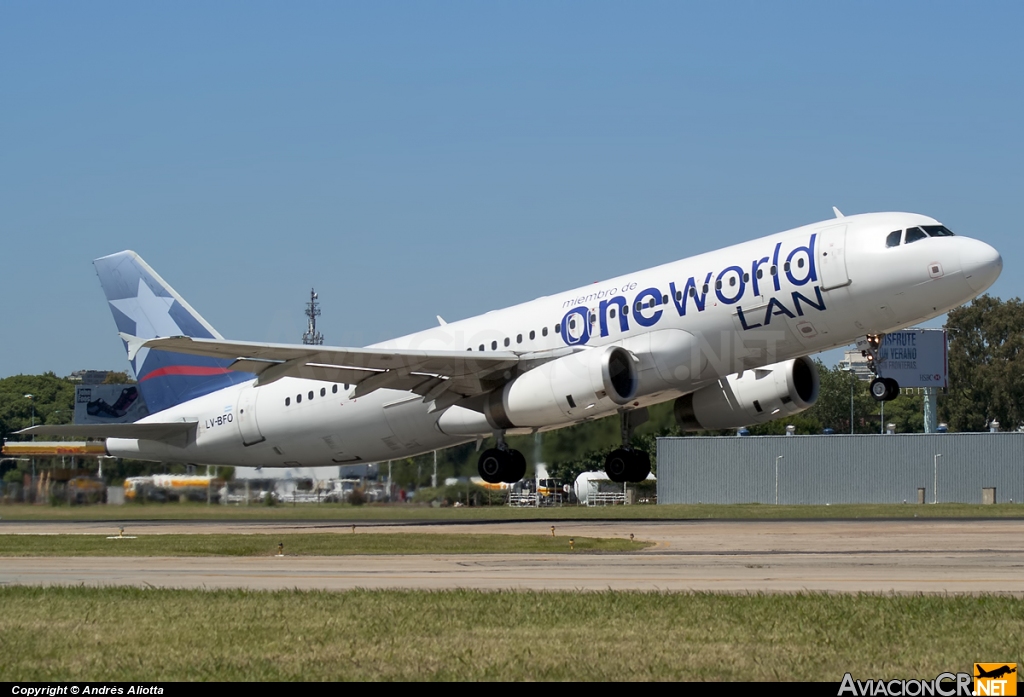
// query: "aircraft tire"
[[517, 467], [493, 465], [619, 465], [879, 389], [641, 466], [894, 389]]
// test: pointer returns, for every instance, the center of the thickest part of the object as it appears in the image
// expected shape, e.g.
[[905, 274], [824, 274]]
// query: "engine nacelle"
[[566, 389], [752, 397]]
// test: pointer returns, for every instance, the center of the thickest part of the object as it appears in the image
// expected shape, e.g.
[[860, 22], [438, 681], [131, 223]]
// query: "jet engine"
[[566, 389], [751, 397]]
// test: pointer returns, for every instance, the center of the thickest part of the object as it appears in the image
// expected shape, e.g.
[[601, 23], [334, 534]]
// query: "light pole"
[[779, 457], [853, 378], [32, 399]]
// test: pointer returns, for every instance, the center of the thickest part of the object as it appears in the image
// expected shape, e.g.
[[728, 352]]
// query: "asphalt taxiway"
[[902, 556]]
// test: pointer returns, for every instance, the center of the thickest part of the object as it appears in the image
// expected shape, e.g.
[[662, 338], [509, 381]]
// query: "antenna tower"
[[312, 337]]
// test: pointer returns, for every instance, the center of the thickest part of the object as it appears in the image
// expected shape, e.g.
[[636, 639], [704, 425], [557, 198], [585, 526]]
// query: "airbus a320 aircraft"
[[725, 334]]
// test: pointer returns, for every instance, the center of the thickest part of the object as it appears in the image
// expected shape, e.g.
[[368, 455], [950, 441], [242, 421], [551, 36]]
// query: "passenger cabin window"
[[494, 345], [914, 234], [287, 401], [323, 391], [334, 389], [533, 335], [893, 240], [544, 331], [298, 399], [519, 338]]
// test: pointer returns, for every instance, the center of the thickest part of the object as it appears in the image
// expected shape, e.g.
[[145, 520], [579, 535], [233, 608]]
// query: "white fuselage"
[[768, 300]]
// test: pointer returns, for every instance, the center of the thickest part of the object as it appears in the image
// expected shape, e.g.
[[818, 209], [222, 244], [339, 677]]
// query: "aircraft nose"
[[980, 263]]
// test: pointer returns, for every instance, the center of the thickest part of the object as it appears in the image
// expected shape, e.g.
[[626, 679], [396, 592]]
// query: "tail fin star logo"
[[995, 679], [152, 316]]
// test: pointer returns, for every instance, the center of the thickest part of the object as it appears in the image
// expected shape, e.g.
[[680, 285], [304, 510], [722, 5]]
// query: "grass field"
[[318, 544], [400, 512], [146, 635]]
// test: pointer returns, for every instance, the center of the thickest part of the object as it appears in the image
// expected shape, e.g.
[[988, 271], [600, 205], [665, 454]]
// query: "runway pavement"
[[915, 556]]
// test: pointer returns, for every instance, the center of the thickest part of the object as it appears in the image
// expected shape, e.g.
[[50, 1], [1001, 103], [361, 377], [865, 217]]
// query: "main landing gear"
[[882, 389], [501, 464], [626, 464]]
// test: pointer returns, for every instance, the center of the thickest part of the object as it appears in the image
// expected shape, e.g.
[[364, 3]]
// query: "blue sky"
[[414, 159]]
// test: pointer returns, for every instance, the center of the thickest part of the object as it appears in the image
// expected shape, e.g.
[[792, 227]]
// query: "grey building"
[[951, 467]]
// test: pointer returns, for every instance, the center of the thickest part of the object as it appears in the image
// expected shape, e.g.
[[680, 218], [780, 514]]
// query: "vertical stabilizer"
[[144, 305]]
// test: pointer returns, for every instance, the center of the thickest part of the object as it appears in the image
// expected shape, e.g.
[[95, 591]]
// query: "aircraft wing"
[[170, 432], [427, 372]]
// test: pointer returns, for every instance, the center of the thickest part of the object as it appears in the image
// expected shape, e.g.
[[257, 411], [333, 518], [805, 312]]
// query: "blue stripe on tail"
[[144, 305]]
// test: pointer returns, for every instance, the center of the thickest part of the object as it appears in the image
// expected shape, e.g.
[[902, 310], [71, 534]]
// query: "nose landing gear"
[[882, 389]]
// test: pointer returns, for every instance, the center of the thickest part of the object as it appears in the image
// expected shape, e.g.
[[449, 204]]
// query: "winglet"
[[839, 213]]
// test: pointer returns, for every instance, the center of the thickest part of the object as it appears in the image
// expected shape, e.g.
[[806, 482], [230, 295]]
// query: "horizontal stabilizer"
[[167, 432]]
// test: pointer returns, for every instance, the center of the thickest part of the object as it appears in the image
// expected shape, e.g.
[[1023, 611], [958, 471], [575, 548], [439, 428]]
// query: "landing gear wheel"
[[641, 466], [517, 467], [884, 389], [494, 465], [619, 465]]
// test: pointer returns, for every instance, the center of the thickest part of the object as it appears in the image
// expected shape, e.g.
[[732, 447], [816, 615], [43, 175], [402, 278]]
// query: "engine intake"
[[751, 397]]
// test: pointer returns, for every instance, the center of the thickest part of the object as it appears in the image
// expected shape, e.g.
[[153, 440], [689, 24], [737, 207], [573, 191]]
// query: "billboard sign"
[[914, 357], [109, 404]]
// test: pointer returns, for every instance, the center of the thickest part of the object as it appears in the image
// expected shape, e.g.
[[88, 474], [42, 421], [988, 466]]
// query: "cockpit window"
[[914, 234], [938, 231], [893, 240]]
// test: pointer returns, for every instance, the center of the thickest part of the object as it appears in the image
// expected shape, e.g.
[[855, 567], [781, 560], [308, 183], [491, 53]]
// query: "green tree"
[[986, 365], [52, 401]]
